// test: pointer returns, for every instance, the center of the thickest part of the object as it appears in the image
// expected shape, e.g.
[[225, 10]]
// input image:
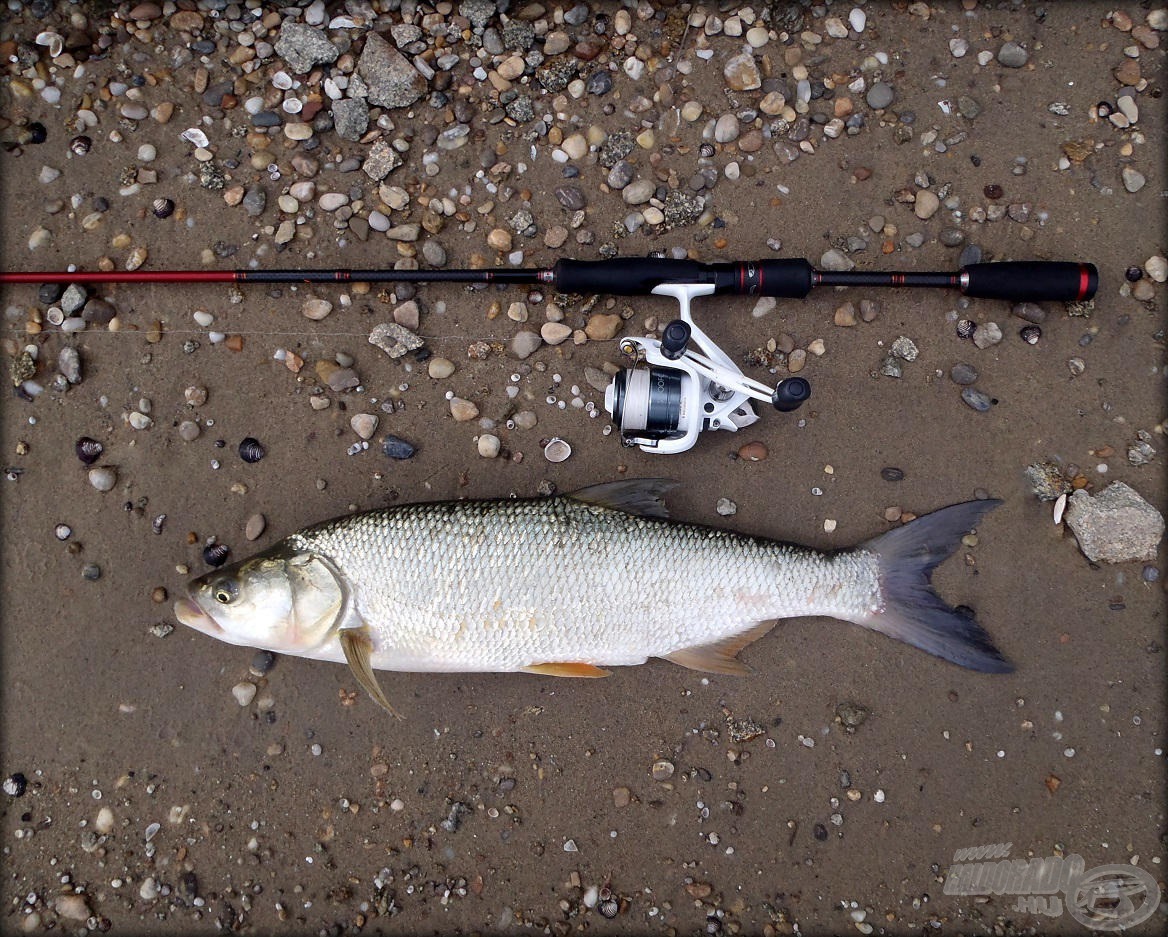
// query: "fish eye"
[[226, 591]]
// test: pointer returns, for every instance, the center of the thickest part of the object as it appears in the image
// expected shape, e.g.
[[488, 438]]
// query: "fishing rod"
[[671, 392], [634, 276]]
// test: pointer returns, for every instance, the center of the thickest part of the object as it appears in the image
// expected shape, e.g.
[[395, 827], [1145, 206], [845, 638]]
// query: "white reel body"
[[674, 390]]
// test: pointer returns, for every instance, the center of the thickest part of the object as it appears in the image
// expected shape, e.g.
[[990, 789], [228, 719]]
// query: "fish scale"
[[510, 584]]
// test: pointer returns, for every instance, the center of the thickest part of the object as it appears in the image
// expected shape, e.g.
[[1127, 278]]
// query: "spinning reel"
[[683, 383]]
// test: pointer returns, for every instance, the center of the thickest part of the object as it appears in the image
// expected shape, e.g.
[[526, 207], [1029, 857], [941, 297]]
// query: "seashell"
[[1030, 334], [557, 450], [251, 450], [965, 328], [197, 137], [63, 531], [608, 904], [706, 150], [103, 479], [88, 450], [53, 41], [162, 208], [34, 132], [80, 144], [215, 554], [1060, 505]]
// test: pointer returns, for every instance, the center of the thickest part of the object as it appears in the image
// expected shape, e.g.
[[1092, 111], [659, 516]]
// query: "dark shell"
[[251, 450], [36, 133], [215, 554], [89, 450], [608, 907], [706, 149], [397, 448], [1104, 109], [162, 208], [81, 144], [1030, 334], [1133, 274], [15, 785], [965, 328]]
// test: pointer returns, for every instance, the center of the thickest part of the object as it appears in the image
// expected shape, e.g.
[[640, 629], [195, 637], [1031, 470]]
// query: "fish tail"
[[911, 611]]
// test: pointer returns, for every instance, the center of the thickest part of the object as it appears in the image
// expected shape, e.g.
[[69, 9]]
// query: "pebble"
[[726, 507], [753, 452], [1133, 179], [397, 448], [1156, 267], [741, 73], [987, 334], [439, 368], [1013, 55], [500, 239], [364, 425], [463, 410], [103, 478], [188, 430], [892, 474], [525, 343], [638, 192], [602, 327], [72, 907], [925, 204], [555, 332], [1116, 525], [316, 309], [978, 400], [880, 95], [489, 445], [662, 770], [244, 692], [255, 527]]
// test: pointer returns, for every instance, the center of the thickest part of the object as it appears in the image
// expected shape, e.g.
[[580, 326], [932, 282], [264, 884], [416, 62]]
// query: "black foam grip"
[[625, 276], [789, 278], [1031, 280]]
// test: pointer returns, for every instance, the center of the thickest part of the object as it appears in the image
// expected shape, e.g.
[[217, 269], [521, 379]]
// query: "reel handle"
[[790, 394]]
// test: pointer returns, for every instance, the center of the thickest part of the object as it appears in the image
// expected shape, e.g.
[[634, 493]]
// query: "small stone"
[[72, 907], [397, 448], [621, 797], [394, 339], [1029, 312], [978, 400], [963, 374], [741, 73], [462, 410], [1156, 267], [987, 334], [525, 344], [880, 95], [407, 315], [638, 192], [555, 332], [500, 239], [836, 260], [244, 692], [845, 315], [439, 368], [489, 445], [904, 347], [316, 309], [1133, 179], [662, 770], [103, 478], [796, 360], [1012, 55], [303, 46], [753, 452], [364, 425], [255, 526], [726, 507], [1116, 525], [727, 129], [602, 327], [925, 204], [892, 474]]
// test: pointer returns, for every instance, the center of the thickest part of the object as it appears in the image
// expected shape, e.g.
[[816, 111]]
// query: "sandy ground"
[[502, 802]]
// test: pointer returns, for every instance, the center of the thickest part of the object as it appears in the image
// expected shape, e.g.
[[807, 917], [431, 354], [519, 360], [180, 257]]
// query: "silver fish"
[[569, 585]]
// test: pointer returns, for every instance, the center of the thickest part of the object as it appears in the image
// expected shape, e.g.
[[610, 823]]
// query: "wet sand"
[[502, 803]]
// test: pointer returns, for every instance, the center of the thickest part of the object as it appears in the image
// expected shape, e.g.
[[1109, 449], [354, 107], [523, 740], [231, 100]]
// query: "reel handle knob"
[[675, 338], [790, 394]]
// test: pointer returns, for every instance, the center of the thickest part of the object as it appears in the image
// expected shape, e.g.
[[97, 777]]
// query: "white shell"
[[557, 450], [196, 136], [1059, 506], [52, 40]]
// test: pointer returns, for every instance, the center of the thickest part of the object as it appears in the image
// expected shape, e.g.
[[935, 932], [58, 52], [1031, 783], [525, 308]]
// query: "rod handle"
[[1030, 280]]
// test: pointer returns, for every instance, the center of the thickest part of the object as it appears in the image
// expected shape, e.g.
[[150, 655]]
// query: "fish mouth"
[[191, 615]]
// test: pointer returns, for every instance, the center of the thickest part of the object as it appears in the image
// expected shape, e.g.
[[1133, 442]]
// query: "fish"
[[572, 585]]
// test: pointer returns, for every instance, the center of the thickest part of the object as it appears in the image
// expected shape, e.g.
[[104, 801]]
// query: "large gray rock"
[[350, 118], [302, 46], [392, 80], [1116, 525]]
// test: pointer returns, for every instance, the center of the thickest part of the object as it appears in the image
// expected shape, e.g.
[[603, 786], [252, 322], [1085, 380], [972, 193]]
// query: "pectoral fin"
[[567, 669], [721, 656], [358, 646]]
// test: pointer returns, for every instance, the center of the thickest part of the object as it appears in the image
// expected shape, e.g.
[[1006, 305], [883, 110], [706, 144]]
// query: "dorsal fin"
[[721, 656], [641, 496]]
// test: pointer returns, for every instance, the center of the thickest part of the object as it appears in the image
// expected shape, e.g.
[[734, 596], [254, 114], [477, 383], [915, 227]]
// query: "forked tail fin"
[[912, 612]]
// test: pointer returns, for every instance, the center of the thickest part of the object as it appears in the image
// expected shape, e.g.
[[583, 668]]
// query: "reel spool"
[[673, 392]]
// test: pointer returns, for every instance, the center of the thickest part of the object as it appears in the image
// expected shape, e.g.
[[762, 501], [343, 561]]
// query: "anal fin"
[[721, 656], [567, 669], [358, 647]]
